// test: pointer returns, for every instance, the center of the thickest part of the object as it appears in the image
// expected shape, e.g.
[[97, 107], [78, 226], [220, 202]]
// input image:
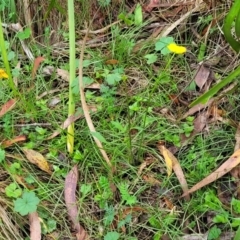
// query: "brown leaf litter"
[[70, 188]]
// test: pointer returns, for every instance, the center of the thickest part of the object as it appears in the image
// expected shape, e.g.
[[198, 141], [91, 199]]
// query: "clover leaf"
[[151, 58], [12, 190], [162, 43], [27, 204]]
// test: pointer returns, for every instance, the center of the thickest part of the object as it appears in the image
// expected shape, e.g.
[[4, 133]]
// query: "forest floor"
[[138, 94]]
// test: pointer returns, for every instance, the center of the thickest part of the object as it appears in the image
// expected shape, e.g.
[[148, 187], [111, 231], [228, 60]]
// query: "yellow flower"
[[173, 47], [3, 74]]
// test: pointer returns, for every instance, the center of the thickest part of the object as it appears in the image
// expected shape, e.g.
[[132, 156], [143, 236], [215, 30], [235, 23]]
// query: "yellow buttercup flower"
[[3, 74], [173, 47]]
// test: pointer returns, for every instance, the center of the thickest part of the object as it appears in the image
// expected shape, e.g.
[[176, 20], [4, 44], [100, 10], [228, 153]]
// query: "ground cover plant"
[[119, 120]]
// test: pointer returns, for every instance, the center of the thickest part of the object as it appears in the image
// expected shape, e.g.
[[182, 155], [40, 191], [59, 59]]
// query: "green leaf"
[[109, 215], [236, 205], [12, 190], [51, 225], [24, 34], [162, 43], [151, 58], [104, 183], [124, 17], [237, 236], [235, 222], [123, 188], [138, 16], [99, 136], [237, 25], [85, 189], [113, 78], [154, 222], [123, 222], [221, 218], [2, 155], [165, 51], [112, 236], [104, 3], [210, 93], [11, 55], [131, 200], [214, 233], [87, 81], [227, 27], [27, 204], [15, 168], [157, 235], [119, 126]]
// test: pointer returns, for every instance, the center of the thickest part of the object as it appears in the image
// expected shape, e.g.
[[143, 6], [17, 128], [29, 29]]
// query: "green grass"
[[134, 112]]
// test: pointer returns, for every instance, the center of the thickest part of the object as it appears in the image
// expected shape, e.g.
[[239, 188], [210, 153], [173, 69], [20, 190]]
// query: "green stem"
[[71, 103], [5, 61], [227, 27]]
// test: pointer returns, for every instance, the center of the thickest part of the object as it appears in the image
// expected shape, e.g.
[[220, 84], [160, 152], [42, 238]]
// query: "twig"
[[102, 30], [85, 106]]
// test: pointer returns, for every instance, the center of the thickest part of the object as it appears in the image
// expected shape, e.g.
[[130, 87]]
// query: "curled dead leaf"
[[8, 143], [177, 169], [71, 202]]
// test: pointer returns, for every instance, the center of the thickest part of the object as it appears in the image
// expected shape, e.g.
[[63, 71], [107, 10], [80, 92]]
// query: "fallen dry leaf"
[[215, 112], [168, 203], [177, 169], [8, 143], [37, 159], [235, 172], [35, 226], [174, 99], [36, 64], [226, 167], [93, 86], [71, 202], [152, 4], [237, 138], [112, 62], [202, 76], [197, 108], [50, 70], [9, 105], [167, 158], [195, 236]]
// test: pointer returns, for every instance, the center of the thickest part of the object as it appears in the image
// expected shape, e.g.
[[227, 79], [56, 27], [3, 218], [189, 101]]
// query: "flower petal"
[[173, 47], [3, 74]]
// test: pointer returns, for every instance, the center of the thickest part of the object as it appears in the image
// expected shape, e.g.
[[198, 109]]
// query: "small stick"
[[85, 106]]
